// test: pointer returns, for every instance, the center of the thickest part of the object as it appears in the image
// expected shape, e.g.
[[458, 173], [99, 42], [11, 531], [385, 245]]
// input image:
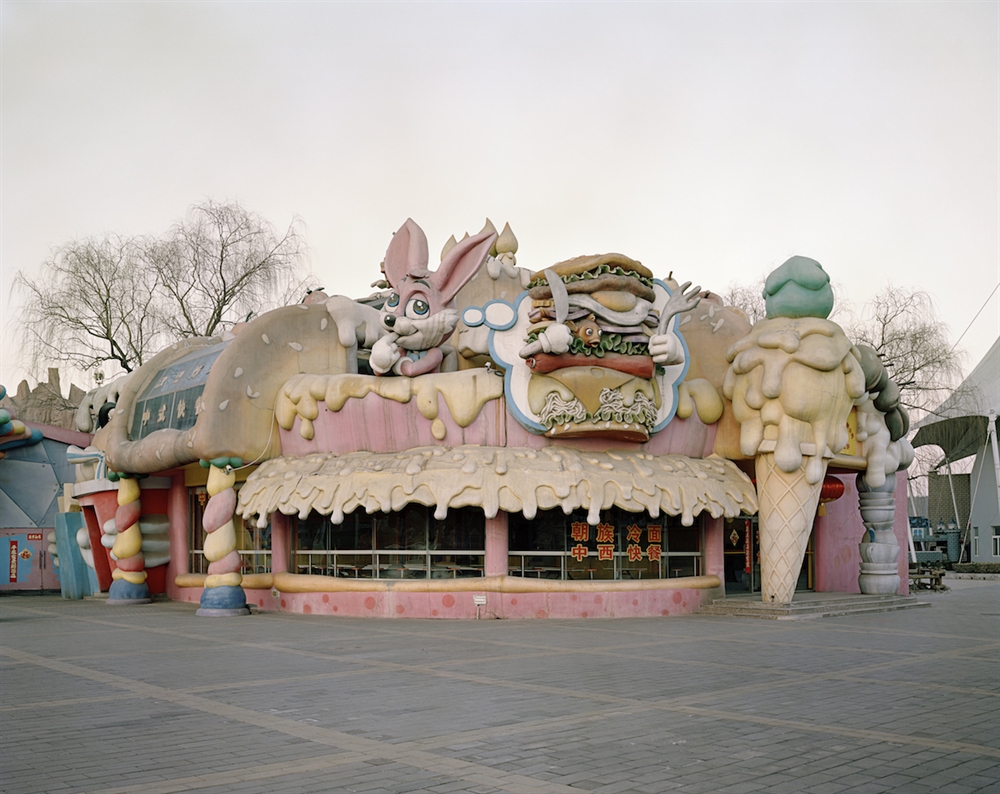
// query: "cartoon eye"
[[393, 301], [416, 309]]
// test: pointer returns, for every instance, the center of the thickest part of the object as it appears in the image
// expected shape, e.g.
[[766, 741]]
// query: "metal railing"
[[253, 561], [561, 565], [391, 564]]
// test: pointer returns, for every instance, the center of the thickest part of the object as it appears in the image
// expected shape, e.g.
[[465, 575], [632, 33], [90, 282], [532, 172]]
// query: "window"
[[252, 542], [254, 546], [622, 545], [975, 542], [410, 544], [197, 497], [996, 541]]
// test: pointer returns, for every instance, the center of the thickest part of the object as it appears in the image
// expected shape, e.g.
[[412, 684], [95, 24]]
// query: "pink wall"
[[179, 514], [280, 542], [837, 534], [380, 425], [401, 604], [714, 554], [497, 549]]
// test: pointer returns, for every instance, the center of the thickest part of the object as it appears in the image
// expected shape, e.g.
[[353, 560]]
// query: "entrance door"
[[741, 541], [29, 566]]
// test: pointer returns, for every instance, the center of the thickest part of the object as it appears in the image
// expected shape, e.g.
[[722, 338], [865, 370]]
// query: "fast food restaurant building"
[[521, 483]]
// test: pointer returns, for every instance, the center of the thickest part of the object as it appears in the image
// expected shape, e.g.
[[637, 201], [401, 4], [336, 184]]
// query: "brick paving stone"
[[979, 782], [957, 788], [870, 788], [285, 703], [744, 787]]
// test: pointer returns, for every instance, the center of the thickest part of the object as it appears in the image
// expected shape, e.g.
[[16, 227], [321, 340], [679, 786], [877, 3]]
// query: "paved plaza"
[[152, 699]]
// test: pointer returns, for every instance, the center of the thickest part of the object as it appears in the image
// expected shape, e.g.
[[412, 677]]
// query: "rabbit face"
[[413, 322], [419, 311]]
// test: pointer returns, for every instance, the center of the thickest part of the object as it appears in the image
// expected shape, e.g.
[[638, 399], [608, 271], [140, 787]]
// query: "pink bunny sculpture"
[[420, 315]]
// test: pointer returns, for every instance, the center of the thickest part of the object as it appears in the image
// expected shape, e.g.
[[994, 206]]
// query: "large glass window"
[[254, 546], [410, 544], [622, 545]]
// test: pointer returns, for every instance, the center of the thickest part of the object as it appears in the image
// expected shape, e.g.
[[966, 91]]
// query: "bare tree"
[[901, 324], [221, 264], [119, 299], [748, 299], [92, 302]]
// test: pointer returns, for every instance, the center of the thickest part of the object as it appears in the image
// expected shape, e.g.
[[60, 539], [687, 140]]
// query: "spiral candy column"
[[223, 595], [129, 577]]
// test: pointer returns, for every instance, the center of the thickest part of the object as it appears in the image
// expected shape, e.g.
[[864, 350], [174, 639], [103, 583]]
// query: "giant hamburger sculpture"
[[596, 342]]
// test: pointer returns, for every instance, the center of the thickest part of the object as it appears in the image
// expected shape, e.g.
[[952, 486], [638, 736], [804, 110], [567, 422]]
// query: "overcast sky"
[[714, 139]]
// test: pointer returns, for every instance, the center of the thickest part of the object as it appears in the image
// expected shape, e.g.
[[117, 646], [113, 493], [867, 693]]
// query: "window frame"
[[406, 560], [622, 568]]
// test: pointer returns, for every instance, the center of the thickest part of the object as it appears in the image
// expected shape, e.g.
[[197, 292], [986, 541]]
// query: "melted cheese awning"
[[515, 480]]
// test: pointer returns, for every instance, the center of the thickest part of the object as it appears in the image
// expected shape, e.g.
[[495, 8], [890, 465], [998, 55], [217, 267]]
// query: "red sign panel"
[[13, 560], [747, 550], [34, 536]]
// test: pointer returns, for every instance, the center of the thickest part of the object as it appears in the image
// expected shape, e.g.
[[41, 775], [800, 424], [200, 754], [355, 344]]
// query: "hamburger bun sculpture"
[[594, 344]]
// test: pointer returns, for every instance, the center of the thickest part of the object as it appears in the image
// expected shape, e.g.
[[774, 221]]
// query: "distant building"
[[965, 425]]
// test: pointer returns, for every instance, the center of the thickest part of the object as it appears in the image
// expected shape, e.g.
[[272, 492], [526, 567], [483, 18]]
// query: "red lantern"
[[833, 489]]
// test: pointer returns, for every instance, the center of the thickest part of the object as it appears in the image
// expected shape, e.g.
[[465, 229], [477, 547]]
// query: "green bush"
[[977, 567]]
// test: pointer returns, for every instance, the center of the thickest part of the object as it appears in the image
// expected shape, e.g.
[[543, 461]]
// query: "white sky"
[[714, 139]]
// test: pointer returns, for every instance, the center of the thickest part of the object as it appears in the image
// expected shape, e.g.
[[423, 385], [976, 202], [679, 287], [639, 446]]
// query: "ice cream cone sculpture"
[[792, 381], [787, 504]]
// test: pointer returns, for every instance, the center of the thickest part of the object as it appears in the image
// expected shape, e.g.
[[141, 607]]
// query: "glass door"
[[741, 542]]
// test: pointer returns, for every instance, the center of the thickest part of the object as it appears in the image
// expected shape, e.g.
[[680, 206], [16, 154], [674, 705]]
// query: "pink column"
[[825, 549], [715, 561], [178, 512], [281, 532], [496, 545]]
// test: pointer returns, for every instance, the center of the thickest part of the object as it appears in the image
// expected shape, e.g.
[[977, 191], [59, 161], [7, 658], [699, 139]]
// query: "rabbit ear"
[[461, 263], [407, 253]]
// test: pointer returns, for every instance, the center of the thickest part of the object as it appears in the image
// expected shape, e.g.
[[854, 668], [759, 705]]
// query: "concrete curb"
[[990, 577]]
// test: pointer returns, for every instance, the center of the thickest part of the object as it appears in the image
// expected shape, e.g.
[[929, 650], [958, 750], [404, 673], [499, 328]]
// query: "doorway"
[[741, 541], [30, 564]]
